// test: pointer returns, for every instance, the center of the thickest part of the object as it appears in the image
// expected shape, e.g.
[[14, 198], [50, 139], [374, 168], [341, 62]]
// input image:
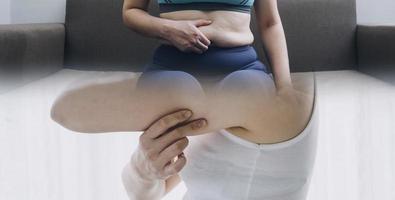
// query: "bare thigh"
[[125, 104], [162, 89]]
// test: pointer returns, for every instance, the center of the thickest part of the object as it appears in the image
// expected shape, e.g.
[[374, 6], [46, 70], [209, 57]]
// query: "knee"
[[64, 113]]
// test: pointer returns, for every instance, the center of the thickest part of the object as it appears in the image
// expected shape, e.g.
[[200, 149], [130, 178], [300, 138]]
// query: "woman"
[[207, 64]]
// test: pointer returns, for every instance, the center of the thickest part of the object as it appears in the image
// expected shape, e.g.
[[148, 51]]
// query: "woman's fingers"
[[175, 167], [163, 124], [201, 46], [172, 151], [203, 38], [164, 140], [170, 144], [194, 48], [191, 128]]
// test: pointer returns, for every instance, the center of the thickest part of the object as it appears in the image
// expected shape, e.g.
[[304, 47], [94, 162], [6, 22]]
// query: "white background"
[[4, 11], [26, 11]]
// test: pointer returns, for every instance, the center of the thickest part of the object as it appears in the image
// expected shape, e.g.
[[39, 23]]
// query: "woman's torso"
[[228, 28]]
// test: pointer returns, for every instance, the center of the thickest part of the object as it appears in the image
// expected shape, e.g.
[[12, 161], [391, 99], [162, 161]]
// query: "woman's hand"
[[161, 143], [296, 102], [288, 95], [185, 35], [159, 155]]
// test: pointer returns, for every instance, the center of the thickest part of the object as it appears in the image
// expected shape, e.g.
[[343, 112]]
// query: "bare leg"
[[116, 105], [245, 99]]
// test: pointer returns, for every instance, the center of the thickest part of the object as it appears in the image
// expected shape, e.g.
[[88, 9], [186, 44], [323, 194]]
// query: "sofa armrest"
[[376, 51], [30, 51]]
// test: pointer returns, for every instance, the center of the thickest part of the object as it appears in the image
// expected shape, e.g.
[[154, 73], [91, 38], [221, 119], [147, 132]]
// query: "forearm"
[[143, 23], [274, 40]]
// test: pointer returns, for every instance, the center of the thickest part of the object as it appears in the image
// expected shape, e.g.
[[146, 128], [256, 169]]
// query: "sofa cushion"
[[29, 52]]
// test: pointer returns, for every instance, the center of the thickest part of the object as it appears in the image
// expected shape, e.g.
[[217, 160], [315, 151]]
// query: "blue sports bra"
[[233, 5]]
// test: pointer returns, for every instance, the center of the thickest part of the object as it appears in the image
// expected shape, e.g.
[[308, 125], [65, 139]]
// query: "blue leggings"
[[214, 64]]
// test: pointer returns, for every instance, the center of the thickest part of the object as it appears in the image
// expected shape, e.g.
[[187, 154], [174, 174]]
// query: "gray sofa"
[[321, 35]]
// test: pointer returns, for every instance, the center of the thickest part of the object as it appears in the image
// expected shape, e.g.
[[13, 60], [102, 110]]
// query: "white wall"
[[37, 11], [376, 12], [4, 11]]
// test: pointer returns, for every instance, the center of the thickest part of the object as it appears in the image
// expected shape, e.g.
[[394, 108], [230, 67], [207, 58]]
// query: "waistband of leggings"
[[165, 50], [168, 55], [211, 48]]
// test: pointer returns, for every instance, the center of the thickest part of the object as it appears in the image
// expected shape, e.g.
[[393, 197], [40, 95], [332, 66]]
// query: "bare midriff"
[[228, 28]]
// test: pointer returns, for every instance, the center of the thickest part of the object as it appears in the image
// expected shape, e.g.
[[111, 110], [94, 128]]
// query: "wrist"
[[284, 87], [282, 76], [141, 174], [137, 187], [165, 28]]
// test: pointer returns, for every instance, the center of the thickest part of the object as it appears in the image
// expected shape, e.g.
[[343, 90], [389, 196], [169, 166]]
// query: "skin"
[[152, 168], [276, 110]]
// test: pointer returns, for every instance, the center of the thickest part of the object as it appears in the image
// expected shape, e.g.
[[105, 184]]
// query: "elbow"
[[268, 24], [125, 10], [267, 20], [124, 17]]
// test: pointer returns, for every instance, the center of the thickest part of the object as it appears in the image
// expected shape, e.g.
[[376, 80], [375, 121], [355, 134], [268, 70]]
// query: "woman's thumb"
[[202, 22]]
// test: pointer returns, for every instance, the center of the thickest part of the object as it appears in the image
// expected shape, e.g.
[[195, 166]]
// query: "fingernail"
[[187, 113], [200, 123]]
